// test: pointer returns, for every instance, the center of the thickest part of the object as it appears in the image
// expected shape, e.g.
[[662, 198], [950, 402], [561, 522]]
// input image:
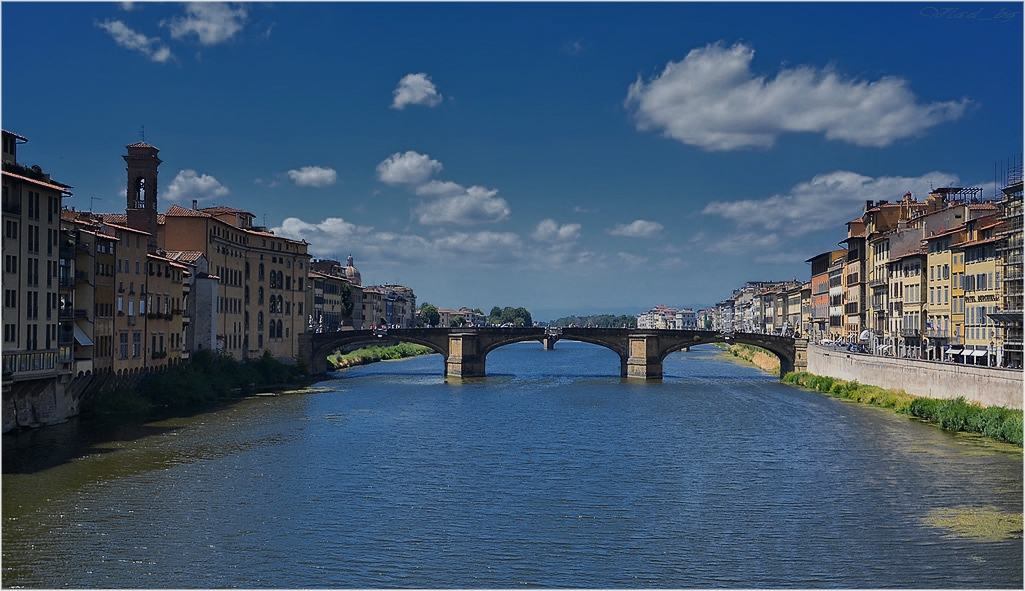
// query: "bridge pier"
[[465, 358], [549, 342], [644, 360]]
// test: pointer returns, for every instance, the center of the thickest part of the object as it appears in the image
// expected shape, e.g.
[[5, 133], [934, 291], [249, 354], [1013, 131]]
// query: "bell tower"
[[142, 190]]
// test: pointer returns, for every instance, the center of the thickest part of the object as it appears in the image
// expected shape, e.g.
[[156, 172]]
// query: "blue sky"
[[563, 157]]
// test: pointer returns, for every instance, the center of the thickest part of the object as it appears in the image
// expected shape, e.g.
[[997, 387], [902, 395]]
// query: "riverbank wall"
[[37, 403], [930, 379]]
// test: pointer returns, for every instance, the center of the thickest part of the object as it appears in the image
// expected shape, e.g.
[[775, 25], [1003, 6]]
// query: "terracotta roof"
[[49, 185], [121, 227], [913, 253], [179, 211], [981, 206], [24, 139], [978, 242], [945, 233], [224, 209], [140, 145], [185, 256]]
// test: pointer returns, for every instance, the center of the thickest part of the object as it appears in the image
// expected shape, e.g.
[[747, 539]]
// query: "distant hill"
[[597, 321]]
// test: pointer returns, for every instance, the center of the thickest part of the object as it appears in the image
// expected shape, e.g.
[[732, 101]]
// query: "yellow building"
[[939, 323], [983, 338]]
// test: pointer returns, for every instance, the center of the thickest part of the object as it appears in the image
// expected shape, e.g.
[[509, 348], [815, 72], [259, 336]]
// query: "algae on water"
[[983, 523]]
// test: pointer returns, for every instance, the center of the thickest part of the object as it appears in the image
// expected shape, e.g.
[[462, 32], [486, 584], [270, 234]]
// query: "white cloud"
[[416, 89], [334, 236], [637, 229], [313, 176], [189, 185], [150, 47], [549, 230], [440, 189], [826, 201], [632, 260], [211, 22], [410, 168], [713, 100], [473, 206]]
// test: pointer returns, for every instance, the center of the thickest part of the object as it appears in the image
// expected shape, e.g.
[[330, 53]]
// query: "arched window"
[[273, 280], [280, 332], [272, 334], [281, 304], [259, 320], [273, 305], [260, 272], [259, 296]]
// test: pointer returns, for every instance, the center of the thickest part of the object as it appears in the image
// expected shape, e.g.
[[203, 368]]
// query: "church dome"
[[351, 272]]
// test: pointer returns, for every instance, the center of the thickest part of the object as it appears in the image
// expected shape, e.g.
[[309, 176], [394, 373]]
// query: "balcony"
[[877, 282], [79, 313], [66, 314], [910, 332]]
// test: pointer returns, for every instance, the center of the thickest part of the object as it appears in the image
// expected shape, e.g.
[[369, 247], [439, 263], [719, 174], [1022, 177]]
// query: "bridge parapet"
[[641, 352]]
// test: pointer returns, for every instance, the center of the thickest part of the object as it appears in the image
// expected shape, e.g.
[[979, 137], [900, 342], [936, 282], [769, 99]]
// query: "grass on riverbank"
[[956, 414], [374, 354], [206, 378], [765, 360]]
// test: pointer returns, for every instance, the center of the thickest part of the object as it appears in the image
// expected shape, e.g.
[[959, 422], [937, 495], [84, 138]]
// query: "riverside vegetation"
[[374, 354], [206, 379], [957, 414]]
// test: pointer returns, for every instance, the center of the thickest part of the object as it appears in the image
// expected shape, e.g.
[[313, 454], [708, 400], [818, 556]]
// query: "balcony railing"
[[910, 332], [877, 282]]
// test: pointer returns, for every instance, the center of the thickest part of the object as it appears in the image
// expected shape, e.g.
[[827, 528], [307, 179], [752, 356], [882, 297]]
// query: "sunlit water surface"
[[551, 472]]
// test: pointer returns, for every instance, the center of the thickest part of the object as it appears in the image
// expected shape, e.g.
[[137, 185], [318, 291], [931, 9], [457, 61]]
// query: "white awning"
[[979, 352], [952, 351], [81, 337]]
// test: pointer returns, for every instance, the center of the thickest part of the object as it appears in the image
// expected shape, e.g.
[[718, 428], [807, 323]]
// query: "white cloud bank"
[[452, 203], [714, 101], [637, 229], [211, 22], [415, 89], [410, 168], [313, 176], [189, 185], [826, 201], [151, 47], [548, 230]]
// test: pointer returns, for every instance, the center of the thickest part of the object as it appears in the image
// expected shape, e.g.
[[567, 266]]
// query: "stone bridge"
[[641, 352]]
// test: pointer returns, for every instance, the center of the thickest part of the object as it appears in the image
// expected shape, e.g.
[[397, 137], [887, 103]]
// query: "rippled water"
[[551, 472]]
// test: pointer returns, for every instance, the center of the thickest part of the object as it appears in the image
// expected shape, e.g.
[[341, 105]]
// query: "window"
[[123, 345], [136, 344]]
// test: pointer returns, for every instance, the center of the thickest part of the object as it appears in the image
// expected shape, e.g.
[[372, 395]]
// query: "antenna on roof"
[[142, 132], [91, 199]]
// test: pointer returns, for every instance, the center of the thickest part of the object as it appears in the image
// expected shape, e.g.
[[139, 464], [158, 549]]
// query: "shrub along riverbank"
[[757, 356], [954, 414], [373, 354], [206, 379]]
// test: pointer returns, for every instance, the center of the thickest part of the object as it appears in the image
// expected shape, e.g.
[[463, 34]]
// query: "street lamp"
[[992, 360]]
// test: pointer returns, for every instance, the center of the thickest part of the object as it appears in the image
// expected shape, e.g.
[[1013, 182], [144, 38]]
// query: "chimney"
[[194, 203]]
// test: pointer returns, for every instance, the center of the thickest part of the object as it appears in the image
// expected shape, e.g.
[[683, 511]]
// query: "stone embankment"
[[931, 379]]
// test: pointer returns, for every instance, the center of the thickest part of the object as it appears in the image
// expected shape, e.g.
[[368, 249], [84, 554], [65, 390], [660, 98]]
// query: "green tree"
[[457, 322], [347, 301], [429, 314]]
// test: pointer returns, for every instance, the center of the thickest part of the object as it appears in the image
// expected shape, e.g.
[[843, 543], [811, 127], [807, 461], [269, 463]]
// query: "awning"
[[81, 337], [979, 352], [951, 351]]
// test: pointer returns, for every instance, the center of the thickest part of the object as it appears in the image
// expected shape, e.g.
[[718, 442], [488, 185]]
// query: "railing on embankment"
[[932, 379]]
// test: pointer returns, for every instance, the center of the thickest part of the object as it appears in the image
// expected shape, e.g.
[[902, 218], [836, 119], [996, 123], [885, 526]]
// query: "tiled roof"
[[225, 209], [140, 145], [179, 211], [184, 256], [123, 227], [49, 185], [24, 139]]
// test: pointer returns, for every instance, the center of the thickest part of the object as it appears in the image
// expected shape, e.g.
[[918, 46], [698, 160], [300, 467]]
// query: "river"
[[550, 472]]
